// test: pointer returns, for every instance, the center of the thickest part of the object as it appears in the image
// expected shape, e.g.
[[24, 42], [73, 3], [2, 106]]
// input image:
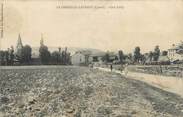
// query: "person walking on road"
[[126, 69], [111, 67], [122, 68]]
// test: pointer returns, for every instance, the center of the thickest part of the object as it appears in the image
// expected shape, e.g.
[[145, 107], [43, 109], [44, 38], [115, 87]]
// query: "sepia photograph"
[[91, 58]]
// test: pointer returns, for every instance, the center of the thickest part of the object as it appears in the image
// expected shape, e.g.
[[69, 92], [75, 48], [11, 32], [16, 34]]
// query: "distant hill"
[[72, 50]]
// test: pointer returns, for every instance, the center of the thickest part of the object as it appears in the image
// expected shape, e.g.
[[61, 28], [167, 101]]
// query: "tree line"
[[24, 56], [63, 57], [60, 57], [136, 57]]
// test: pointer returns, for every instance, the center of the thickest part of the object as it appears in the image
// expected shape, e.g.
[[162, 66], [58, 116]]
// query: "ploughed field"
[[66, 91]]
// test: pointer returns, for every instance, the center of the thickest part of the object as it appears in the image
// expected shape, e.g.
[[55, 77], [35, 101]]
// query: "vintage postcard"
[[91, 58]]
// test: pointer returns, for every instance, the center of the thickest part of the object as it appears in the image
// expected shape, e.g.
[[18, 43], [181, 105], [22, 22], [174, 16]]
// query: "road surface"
[[168, 83]]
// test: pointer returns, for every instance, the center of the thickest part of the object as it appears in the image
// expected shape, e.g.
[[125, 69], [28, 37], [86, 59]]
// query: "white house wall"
[[78, 59], [174, 56]]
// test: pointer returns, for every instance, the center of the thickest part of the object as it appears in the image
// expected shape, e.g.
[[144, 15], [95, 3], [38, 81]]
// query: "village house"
[[114, 57], [89, 57], [164, 60], [96, 57], [81, 57], [175, 53]]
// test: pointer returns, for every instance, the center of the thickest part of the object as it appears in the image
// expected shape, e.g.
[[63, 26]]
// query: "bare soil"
[[64, 91]]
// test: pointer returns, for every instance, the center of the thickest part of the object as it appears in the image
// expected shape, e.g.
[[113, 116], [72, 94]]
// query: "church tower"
[[42, 40], [19, 46]]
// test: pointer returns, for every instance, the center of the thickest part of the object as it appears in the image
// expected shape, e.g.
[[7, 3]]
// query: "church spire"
[[19, 46], [42, 40], [19, 42]]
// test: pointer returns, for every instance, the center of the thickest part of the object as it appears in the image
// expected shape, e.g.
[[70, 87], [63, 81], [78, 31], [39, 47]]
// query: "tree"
[[64, 56], [2, 57], [164, 53], [61, 57], [121, 56], [68, 58], [150, 56], [44, 54], [106, 57], [55, 57], [6, 53], [137, 55], [129, 56], [156, 53], [143, 59], [26, 54], [11, 54]]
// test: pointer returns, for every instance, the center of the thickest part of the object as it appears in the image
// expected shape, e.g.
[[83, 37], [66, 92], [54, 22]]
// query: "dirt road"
[[168, 83], [81, 92]]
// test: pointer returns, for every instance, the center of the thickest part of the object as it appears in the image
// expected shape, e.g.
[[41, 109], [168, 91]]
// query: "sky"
[[138, 23]]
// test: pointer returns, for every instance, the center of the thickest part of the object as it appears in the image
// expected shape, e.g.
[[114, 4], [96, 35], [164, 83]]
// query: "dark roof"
[[174, 48], [85, 52], [180, 51], [99, 54]]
